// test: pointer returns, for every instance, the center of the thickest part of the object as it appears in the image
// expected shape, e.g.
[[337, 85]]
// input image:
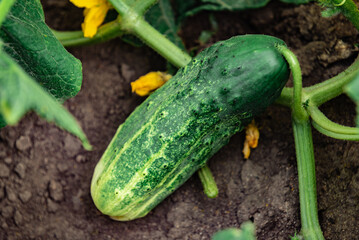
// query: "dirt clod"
[[72, 145], [20, 169], [23, 143], [25, 196], [81, 158], [4, 170], [62, 167], [18, 218], [52, 207], [55, 190], [11, 194], [7, 211], [8, 160]]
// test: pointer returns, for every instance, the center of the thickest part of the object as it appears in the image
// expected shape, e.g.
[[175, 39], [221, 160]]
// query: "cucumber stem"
[[134, 23], [5, 6], [306, 180], [209, 184], [286, 97], [304, 152], [298, 110]]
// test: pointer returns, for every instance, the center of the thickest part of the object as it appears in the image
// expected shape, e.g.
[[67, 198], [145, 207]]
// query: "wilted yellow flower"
[[95, 13], [252, 136], [149, 82]]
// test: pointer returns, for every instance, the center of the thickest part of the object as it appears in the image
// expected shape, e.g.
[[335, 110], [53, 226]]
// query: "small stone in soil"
[[7, 211], [11, 195], [72, 145], [4, 170], [62, 167], [80, 159], [23, 143], [55, 190], [4, 225], [25, 196], [51, 206], [17, 218], [20, 169], [8, 160]]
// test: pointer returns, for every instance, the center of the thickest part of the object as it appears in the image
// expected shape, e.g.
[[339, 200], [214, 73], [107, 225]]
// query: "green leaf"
[[296, 1], [32, 44], [352, 90], [19, 93], [247, 232], [192, 7], [161, 17], [189, 8]]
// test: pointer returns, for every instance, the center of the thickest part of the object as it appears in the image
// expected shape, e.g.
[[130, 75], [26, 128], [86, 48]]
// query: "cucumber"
[[181, 125]]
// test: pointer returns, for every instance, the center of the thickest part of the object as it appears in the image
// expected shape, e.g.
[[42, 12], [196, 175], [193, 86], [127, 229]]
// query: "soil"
[[45, 174]]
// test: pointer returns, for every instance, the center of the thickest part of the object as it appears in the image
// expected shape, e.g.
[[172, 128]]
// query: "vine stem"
[[306, 180], [321, 120], [76, 38], [298, 110], [5, 6], [132, 22], [333, 87], [304, 152]]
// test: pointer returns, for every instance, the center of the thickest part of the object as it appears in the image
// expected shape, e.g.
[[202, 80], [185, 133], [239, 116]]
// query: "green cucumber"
[[181, 125]]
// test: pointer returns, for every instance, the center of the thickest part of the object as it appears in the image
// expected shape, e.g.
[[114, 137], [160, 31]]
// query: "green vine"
[[305, 154], [304, 102]]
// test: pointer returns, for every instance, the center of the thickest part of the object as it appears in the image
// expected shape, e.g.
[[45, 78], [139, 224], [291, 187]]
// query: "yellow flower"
[[252, 136], [95, 13], [149, 82]]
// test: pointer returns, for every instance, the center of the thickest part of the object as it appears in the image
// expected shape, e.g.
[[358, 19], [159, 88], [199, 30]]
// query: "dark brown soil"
[[45, 174]]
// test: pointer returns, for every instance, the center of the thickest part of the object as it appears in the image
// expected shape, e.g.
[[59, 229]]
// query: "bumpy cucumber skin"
[[181, 125]]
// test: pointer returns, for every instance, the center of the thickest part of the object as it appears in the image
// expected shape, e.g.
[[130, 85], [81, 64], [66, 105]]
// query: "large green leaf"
[[245, 233], [352, 89], [296, 1], [32, 44], [191, 7], [19, 93]]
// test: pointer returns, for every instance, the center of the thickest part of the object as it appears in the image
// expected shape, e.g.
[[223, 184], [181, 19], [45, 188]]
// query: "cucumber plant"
[[149, 185], [304, 103]]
